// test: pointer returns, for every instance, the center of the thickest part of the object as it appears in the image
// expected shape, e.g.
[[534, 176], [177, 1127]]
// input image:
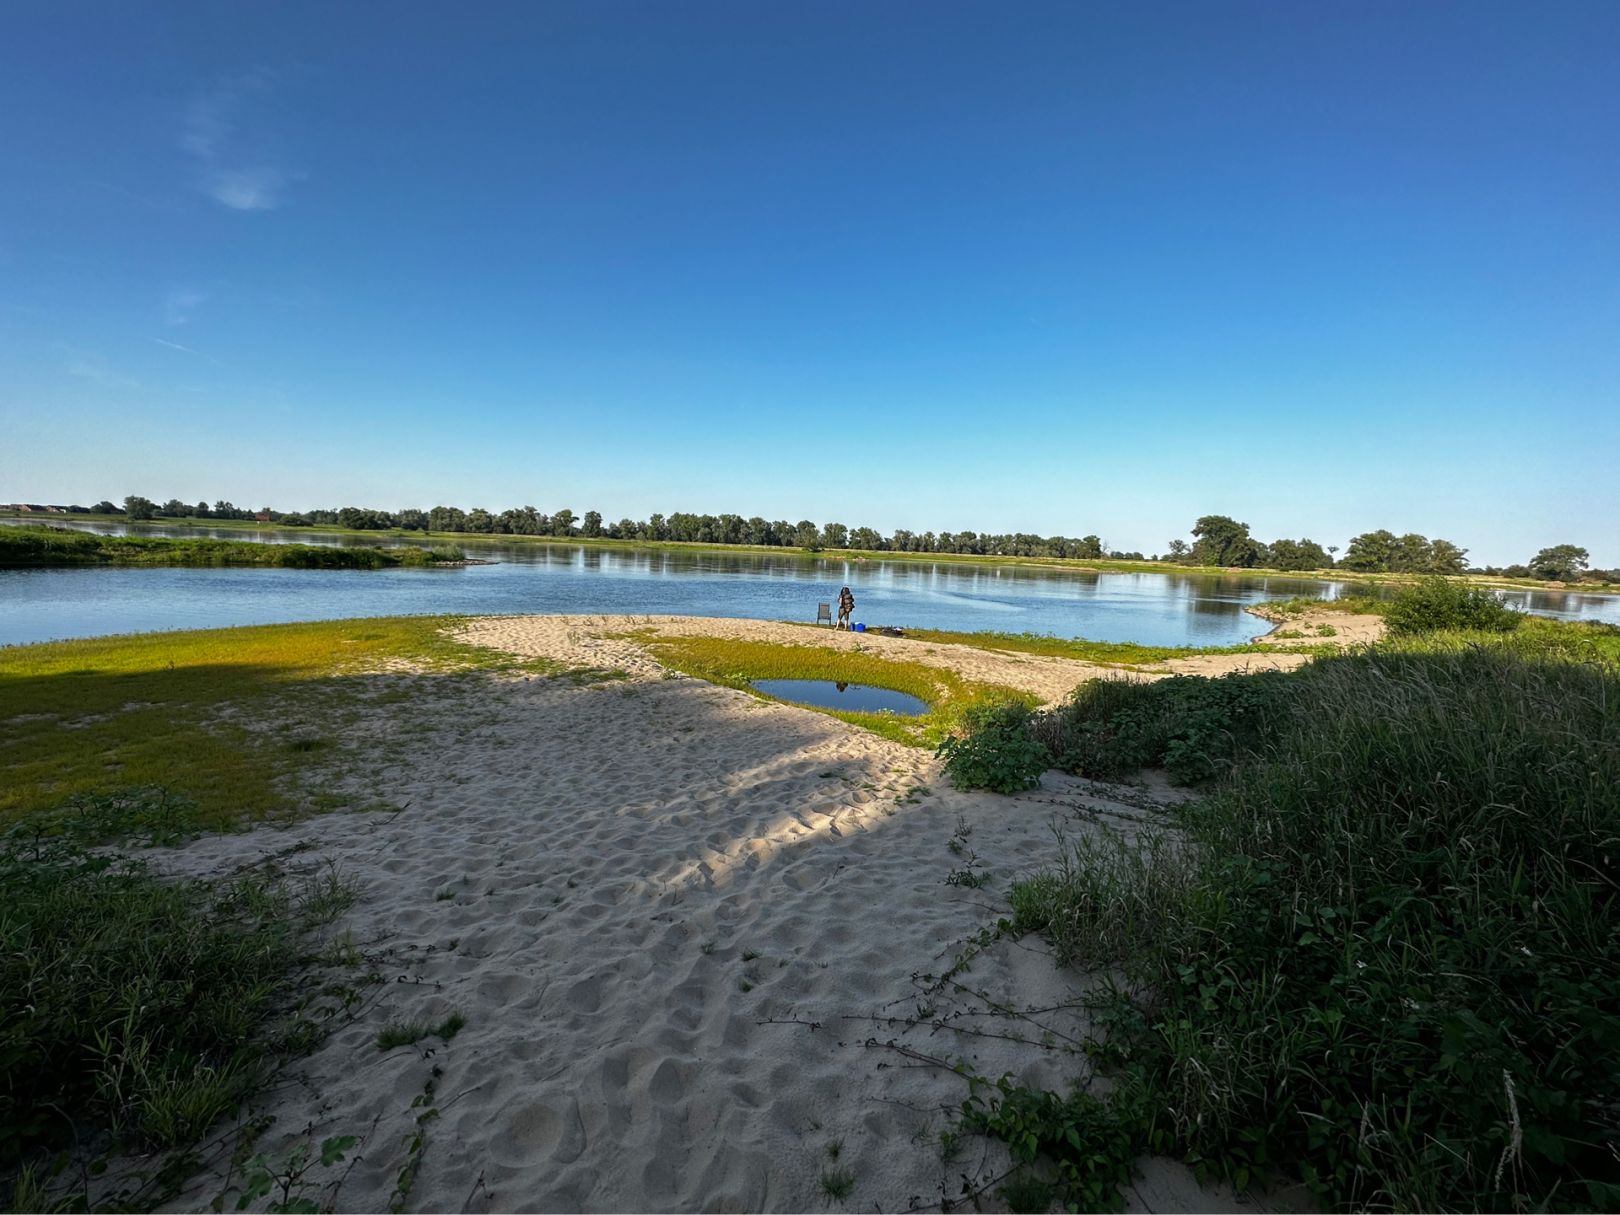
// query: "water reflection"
[[1153, 608]]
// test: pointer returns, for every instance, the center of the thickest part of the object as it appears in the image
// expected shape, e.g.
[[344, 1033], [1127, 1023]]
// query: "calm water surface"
[[1155, 609], [849, 697]]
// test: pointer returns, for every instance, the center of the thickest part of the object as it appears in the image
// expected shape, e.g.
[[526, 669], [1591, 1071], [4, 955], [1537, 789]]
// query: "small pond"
[[846, 697]]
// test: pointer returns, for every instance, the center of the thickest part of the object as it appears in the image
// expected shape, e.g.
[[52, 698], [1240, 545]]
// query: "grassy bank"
[[215, 716], [40, 547], [737, 664], [1382, 954], [1124, 654]]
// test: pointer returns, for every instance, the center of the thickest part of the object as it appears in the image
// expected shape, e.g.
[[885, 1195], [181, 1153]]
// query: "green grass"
[[409, 1033], [143, 1008], [170, 710], [1384, 954], [836, 1184], [1103, 653], [736, 664], [30, 547]]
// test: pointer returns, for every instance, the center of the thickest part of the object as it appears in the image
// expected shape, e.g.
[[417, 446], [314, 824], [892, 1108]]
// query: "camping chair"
[[823, 612]]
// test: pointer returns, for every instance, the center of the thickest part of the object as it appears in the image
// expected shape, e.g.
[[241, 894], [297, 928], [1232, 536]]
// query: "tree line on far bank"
[[1217, 540]]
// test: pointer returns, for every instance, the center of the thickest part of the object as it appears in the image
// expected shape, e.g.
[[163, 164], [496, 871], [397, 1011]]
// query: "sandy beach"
[[705, 945]]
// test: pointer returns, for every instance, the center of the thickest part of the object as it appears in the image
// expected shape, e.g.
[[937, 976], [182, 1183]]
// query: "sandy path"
[[615, 855]]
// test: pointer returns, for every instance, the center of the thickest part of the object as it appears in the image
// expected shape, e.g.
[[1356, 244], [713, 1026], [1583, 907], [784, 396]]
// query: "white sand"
[[616, 852]]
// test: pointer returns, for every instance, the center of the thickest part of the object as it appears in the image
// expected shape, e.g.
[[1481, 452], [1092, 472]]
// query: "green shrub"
[[1385, 955], [1191, 725], [995, 750], [1435, 604]]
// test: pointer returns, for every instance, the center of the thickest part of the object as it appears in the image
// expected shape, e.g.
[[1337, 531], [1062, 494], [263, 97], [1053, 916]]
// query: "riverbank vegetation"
[[137, 1011], [1127, 655], [58, 546], [214, 716], [1381, 954], [1219, 541]]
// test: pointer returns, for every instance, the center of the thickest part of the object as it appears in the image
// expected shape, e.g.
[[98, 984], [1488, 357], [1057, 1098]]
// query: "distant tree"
[[835, 535], [1446, 558], [807, 535], [1089, 548], [592, 525], [1412, 554], [174, 508], [480, 521], [868, 539], [1371, 552], [1298, 555], [136, 507], [413, 520], [562, 523], [447, 519], [1222, 540], [293, 519], [104, 507], [200, 510], [1560, 563], [1177, 551]]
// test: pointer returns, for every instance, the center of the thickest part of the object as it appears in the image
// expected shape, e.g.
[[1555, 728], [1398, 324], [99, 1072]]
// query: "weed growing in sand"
[[415, 1143], [1026, 1194], [708, 947], [290, 1180], [745, 984], [748, 955], [409, 1033], [836, 1184], [994, 749], [141, 1007], [970, 878], [445, 894]]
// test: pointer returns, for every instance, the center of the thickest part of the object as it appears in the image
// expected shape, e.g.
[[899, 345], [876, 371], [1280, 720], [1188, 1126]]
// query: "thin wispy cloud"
[[177, 346], [179, 304], [220, 133], [92, 370], [248, 189]]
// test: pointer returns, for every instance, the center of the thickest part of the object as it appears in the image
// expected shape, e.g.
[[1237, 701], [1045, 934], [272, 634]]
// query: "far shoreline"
[[1071, 565]]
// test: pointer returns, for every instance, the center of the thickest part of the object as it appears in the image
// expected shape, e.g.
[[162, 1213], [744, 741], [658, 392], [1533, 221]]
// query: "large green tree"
[[1222, 540], [1560, 563]]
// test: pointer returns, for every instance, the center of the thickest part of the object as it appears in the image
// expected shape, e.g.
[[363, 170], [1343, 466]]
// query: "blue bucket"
[[860, 628]]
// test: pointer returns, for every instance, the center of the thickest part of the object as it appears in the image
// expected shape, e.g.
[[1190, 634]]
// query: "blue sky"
[[1058, 268]]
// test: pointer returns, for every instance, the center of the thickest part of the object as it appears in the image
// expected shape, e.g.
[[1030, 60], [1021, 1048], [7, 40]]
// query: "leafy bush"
[[1387, 952], [1435, 604], [1191, 725], [996, 750]]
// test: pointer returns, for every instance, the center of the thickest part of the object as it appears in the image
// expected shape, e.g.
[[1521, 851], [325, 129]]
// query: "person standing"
[[846, 605]]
